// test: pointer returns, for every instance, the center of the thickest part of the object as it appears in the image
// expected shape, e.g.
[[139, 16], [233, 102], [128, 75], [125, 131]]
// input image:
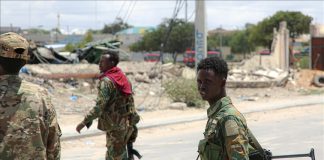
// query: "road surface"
[[283, 131]]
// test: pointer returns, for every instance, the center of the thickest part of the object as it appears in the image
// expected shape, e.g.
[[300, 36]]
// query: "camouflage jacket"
[[112, 107], [226, 133], [28, 124]]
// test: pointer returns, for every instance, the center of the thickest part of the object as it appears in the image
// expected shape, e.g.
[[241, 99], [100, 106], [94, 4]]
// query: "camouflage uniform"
[[226, 134], [28, 124], [112, 109]]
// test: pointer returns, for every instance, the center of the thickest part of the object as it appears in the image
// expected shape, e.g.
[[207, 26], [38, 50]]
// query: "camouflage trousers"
[[116, 145]]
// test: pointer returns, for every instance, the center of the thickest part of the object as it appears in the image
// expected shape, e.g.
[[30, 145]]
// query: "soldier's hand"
[[80, 126]]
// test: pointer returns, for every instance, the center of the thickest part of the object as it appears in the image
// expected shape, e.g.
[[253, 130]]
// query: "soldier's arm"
[[104, 93], [53, 151], [236, 140]]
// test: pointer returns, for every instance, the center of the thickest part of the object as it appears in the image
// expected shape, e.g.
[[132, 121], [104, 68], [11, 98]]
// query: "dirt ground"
[[73, 98]]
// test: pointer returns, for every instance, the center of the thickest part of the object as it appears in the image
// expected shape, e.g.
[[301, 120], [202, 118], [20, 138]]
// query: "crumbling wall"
[[279, 52]]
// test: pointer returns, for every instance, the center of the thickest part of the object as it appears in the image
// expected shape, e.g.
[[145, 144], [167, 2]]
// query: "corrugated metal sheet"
[[317, 48]]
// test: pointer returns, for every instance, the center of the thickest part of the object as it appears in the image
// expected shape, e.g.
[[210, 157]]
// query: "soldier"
[[226, 132], [114, 107], [28, 124]]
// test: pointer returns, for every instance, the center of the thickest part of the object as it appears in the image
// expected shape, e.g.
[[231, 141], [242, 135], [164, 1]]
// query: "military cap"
[[13, 45]]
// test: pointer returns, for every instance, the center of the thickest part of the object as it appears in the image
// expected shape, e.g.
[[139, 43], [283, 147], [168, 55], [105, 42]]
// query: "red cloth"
[[118, 77]]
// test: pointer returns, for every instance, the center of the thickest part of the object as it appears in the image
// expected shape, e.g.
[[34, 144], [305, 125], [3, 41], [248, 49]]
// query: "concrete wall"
[[279, 55]]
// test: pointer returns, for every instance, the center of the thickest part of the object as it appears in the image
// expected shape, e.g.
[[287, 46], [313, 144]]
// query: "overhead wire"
[[131, 11], [128, 9], [174, 15], [177, 9], [121, 8]]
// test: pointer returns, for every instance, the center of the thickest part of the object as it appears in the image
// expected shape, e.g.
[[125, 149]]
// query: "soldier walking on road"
[[226, 132], [28, 123], [114, 108]]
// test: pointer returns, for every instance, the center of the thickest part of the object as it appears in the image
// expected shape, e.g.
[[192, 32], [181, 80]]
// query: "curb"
[[264, 108]]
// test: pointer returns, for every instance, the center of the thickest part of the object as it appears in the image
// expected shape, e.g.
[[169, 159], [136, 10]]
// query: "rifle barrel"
[[310, 154], [290, 156]]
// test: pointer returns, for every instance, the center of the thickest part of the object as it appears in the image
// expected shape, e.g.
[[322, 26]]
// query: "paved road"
[[294, 133], [289, 135]]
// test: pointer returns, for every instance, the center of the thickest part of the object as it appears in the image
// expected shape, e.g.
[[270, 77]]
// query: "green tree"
[[180, 38], [88, 37], [217, 40], [37, 31], [297, 24], [240, 42], [115, 27]]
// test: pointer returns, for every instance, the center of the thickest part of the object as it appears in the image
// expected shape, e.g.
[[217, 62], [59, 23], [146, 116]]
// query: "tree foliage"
[[297, 24], [88, 37], [217, 40], [240, 42], [37, 31], [176, 41], [115, 27]]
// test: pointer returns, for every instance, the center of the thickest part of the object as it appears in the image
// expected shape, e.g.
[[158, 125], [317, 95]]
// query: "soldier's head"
[[108, 61], [13, 53], [211, 79]]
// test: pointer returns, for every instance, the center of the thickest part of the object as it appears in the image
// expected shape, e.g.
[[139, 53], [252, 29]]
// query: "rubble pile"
[[73, 94], [76, 94], [256, 78], [305, 79]]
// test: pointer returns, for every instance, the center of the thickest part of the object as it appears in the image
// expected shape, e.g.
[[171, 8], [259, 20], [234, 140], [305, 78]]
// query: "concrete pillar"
[[200, 31]]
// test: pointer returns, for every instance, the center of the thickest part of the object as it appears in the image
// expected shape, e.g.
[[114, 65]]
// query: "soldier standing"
[[28, 123], [114, 107], [226, 132]]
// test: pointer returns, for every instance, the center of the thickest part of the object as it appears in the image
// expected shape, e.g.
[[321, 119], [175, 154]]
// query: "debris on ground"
[[304, 79], [257, 78], [73, 87]]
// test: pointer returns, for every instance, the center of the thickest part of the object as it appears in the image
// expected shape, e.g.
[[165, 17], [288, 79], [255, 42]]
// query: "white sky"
[[94, 14]]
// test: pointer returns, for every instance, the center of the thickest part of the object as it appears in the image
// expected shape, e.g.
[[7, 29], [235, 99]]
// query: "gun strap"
[[256, 143]]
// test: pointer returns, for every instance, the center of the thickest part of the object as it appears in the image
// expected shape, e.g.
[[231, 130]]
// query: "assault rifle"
[[263, 154]]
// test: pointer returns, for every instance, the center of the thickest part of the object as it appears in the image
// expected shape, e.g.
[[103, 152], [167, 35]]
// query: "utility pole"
[[29, 14], [58, 22], [200, 32], [96, 20], [58, 27], [186, 10], [220, 40]]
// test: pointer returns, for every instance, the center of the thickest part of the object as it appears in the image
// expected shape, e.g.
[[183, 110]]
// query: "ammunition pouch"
[[105, 123], [209, 151]]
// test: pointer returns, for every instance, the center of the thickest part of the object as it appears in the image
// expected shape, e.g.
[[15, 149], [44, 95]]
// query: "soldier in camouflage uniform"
[[114, 107], [28, 124], [226, 133]]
